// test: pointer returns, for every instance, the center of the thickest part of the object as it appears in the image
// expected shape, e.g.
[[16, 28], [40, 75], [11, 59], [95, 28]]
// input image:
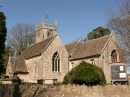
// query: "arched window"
[[56, 62], [114, 56]]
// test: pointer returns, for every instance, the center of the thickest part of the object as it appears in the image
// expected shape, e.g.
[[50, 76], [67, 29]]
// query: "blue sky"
[[76, 18]]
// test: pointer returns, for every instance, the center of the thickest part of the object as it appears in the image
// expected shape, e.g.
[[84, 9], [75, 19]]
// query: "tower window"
[[56, 62], [38, 33], [114, 56], [49, 32]]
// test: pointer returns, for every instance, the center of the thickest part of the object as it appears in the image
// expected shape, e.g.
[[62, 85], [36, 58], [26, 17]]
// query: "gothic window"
[[56, 62], [114, 56]]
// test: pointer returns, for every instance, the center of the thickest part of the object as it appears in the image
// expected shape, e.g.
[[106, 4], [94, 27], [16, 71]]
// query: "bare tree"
[[20, 37], [119, 22]]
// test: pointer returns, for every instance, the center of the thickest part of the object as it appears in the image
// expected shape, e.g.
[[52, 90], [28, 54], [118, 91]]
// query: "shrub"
[[85, 73]]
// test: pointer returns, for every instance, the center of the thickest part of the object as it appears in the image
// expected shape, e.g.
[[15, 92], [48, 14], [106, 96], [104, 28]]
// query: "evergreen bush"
[[85, 73]]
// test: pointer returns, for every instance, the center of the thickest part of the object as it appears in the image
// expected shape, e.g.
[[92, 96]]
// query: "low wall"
[[29, 90], [10, 81]]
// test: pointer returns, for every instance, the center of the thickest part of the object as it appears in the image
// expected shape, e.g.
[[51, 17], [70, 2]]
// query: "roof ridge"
[[107, 41], [78, 42], [74, 41], [49, 43], [97, 38], [34, 45], [90, 47], [41, 41]]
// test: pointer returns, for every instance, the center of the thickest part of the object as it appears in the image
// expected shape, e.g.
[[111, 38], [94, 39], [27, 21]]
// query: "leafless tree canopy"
[[119, 22], [21, 36]]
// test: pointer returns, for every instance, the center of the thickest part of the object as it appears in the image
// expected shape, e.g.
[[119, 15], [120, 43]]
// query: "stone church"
[[48, 59]]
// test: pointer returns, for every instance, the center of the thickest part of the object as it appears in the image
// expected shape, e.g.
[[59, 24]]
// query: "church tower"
[[45, 31]]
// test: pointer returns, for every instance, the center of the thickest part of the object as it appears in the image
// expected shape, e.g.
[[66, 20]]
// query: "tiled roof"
[[70, 46], [31, 51], [37, 49], [90, 48], [20, 65]]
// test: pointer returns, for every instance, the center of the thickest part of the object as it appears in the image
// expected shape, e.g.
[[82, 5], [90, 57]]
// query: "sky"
[[76, 18]]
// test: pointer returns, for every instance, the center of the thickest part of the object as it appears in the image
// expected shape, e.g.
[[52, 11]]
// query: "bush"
[[85, 73]]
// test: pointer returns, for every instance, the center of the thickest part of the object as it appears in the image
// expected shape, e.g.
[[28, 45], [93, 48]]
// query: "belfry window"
[[38, 33], [113, 56], [49, 33], [56, 62]]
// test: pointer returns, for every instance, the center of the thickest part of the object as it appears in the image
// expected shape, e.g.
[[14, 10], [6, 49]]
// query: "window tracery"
[[56, 62]]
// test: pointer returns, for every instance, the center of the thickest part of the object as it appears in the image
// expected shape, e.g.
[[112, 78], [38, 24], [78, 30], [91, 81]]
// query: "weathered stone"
[[63, 91]]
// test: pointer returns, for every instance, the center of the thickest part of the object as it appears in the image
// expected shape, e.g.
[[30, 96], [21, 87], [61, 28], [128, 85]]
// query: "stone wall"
[[96, 61], [34, 74], [29, 90]]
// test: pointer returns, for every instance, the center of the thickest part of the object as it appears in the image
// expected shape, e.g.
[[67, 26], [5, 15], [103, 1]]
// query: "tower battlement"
[[47, 26], [45, 31]]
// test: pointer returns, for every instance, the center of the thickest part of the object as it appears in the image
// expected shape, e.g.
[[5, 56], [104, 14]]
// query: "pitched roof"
[[70, 46], [31, 51], [90, 48]]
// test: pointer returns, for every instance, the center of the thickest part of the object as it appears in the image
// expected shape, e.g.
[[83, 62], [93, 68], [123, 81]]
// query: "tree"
[[6, 57], [98, 32], [3, 32], [20, 37], [85, 73], [119, 22]]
